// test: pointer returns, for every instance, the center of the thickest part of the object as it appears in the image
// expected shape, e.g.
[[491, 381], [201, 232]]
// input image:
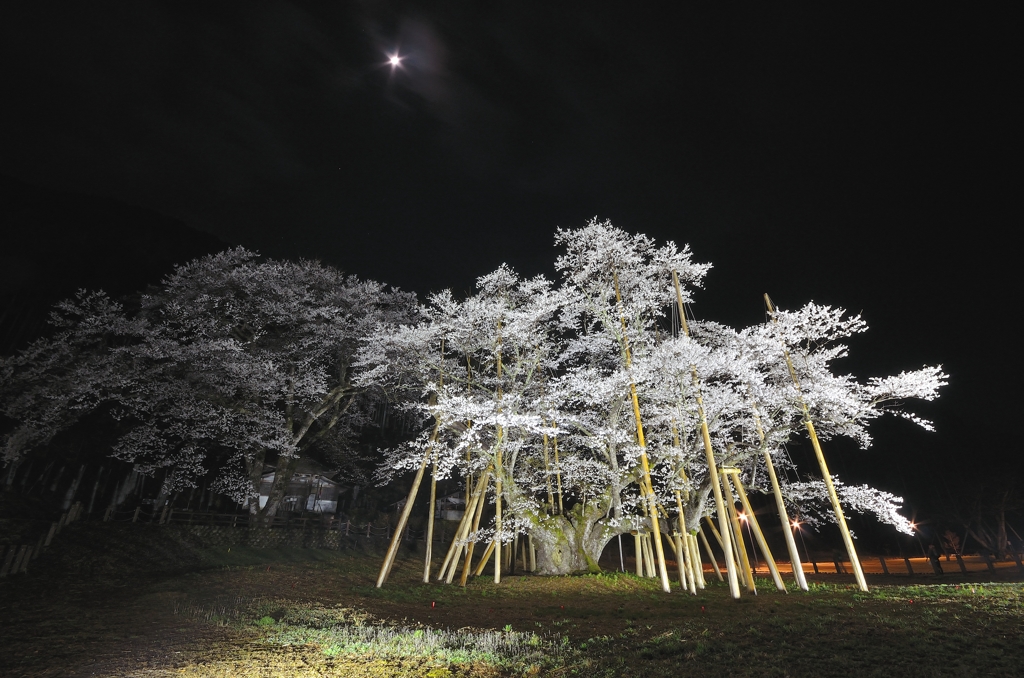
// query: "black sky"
[[866, 159]]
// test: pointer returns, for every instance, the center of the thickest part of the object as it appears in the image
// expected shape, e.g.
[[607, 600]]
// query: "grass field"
[[317, 613]]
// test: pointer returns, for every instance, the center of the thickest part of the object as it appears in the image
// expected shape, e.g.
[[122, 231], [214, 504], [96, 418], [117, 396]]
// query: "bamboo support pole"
[[647, 488], [483, 560], [780, 506], [430, 523], [638, 549], [737, 536], [698, 564], [681, 564], [478, 514], [513, 555], [715, 533], [433, 502], [723, 521], [498, 476], [396, 538], [453, 556], [851, 550], [649, 565], [497, 516], [762, 543], [711, 555], [685, 569]]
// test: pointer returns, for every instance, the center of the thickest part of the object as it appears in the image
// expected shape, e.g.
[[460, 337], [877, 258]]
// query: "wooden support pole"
[[682, 548], [497, 513], [711, 555], [723, 520], [780, 506], [758, 534], [533, 554], [471, 546], [697, 564], [737, 536], [483, 559], [396, 538], [681, 563], [512, 557], [649, 557], [49, 535], [851, 550], [715, 533], [452, 557], [430, 523], [646, 487], [498, 476], [639, 551]]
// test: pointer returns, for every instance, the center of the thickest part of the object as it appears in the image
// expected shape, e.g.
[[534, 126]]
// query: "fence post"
[[106, 514], [49, 535], [885, 570], [135, 518], [367, 530]]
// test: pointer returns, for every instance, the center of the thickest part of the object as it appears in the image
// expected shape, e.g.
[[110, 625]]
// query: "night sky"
[[859, 159]]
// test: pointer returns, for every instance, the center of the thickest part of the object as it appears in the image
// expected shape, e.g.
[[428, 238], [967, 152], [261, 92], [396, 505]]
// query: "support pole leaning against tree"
[[396, 538], [851, 550], [646, 487], [723, 519], [780, 506], [762, 543], [430, 522]]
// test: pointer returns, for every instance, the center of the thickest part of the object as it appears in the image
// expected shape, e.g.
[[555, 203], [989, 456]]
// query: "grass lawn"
[[317, 613]]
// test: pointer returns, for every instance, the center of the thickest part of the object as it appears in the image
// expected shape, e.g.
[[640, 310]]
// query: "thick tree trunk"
[[573, 543], [285, 470]]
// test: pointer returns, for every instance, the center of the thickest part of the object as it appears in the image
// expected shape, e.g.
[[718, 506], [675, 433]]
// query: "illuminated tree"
[[231, 362], [522, 366]]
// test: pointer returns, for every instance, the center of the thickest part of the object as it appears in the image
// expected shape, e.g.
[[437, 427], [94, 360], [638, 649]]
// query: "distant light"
[[913, 526], [796, 523], [395, 61], [743, 517]]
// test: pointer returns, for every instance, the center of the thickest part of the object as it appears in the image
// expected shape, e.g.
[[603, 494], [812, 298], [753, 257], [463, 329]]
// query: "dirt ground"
[[101, 616]]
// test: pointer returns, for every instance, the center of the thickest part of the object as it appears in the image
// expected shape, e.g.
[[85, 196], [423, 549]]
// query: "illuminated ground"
[[316, 613]]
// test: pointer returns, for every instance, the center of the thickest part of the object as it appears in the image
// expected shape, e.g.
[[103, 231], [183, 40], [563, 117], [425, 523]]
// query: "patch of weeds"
[[341, 631]]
